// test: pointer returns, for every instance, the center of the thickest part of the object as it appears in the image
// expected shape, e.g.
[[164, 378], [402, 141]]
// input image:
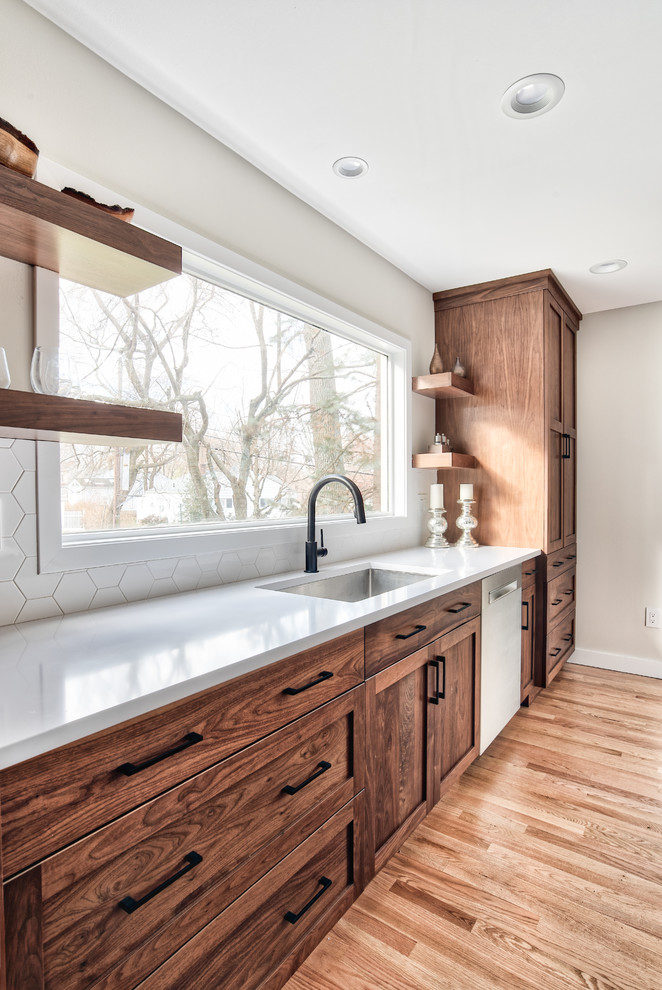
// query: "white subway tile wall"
[[25, 594]]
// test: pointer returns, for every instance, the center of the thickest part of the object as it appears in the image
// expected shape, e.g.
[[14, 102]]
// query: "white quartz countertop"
[[62, 679]]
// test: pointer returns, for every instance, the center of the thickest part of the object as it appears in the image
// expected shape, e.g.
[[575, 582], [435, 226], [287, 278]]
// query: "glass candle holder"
[[437, 525], [466, 522]]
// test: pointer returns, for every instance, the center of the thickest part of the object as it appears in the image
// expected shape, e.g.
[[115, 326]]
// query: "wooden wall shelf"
[[440, 461], [443, 386], [41, 226], [30, 416]]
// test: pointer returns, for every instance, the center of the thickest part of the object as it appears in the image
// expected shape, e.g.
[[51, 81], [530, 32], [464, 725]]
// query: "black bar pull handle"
[[128, 769], [434, 700], [323, 676], [418, 629], [129, 905], [566, 446], [557, 601], [557, 563], [569, 592], [527, 573], [322, 767], [525, 626], [460, 608], [293, 918], [441, 694], [555, 653], [567, 639], [571, 556]]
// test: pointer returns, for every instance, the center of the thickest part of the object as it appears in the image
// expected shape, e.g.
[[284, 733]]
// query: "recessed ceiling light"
[[605, 267], [532, 95], [350, 167]]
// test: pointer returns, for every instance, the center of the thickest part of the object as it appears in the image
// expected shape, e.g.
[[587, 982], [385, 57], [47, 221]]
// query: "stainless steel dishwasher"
[[501, 652]]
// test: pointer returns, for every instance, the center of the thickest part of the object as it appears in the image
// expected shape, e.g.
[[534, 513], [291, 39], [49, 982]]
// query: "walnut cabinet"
[[214, 842], [421, 721], [517, 337]]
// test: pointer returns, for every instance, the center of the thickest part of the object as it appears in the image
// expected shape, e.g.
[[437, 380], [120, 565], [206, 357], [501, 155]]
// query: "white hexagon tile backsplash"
[[26, 594]]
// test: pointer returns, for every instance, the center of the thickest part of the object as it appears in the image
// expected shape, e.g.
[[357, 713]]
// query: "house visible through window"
[[270, 404]]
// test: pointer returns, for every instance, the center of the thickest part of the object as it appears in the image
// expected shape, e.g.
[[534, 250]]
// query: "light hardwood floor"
[[541, 868]]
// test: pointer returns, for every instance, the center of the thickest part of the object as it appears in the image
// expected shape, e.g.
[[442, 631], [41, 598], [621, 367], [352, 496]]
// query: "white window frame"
[[222, 266]]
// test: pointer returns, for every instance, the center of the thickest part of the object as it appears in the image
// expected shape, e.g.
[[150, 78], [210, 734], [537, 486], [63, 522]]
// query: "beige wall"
[[620, 488]]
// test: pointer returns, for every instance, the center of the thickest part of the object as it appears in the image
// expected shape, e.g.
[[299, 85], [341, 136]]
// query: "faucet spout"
[[312, 551]]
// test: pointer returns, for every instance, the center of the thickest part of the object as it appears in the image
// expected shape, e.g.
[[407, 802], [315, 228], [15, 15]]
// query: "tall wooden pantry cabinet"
[[517, 340]]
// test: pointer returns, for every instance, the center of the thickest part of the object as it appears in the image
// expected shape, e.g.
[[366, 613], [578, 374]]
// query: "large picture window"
[[270, 403]]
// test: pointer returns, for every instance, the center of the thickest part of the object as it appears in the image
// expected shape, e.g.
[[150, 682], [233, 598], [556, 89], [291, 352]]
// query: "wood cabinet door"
[[457, 715], [399, 733], [554, 337], [561, 402], [528, 638], [569, 458]]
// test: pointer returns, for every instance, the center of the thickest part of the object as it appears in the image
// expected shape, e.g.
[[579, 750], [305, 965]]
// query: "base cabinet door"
[[421, 732], [399, 738], [456, 720]]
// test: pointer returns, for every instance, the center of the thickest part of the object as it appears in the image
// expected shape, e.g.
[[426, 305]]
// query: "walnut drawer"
[[258, 939], [399, 635], [529, 570], [560, 642], [560, 594], [213, 836], [60, 796], [560, 561]]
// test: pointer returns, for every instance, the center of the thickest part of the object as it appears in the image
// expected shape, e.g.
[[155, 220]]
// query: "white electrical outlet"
[[654, 617]]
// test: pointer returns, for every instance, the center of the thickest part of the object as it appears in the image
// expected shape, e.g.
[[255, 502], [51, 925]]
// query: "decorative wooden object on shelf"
[[31, 416], [17, 150], [121, 212], [443, 386], [440, 461], [42, 226]]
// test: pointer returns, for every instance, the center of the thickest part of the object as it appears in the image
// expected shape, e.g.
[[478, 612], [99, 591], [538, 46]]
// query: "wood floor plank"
[[540, 868]]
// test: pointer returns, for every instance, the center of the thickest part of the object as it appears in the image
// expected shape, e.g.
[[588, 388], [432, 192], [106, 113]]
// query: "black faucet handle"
[[322, 550]]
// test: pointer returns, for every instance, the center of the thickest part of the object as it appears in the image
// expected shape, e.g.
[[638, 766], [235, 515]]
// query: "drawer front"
[[560, 561], [560, 641], [399, 635], [245, 944], [61, 796], [175, 863], [529, 570], [560, 594]]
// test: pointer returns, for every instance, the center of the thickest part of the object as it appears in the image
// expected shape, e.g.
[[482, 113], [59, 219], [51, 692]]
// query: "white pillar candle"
[[436, 496], [466, 492]]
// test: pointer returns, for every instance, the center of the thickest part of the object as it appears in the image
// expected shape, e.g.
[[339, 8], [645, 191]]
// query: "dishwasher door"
[[501, 652]]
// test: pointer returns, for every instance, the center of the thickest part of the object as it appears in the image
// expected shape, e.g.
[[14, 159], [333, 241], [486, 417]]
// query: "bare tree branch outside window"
[[269, 404]]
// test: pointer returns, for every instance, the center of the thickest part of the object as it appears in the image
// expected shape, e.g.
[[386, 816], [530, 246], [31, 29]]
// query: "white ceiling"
[[457, 192]]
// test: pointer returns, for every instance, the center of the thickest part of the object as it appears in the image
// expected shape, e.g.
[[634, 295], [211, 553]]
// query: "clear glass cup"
[[53, 373], [5, 380]]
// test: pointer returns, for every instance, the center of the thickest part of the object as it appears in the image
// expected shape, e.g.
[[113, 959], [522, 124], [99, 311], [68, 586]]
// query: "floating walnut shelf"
[[440, 461], [443, 386], [30, 416], [41, 226]]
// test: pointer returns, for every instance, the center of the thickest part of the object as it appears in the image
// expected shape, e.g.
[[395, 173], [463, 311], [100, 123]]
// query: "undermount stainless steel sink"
[[353, 586]]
